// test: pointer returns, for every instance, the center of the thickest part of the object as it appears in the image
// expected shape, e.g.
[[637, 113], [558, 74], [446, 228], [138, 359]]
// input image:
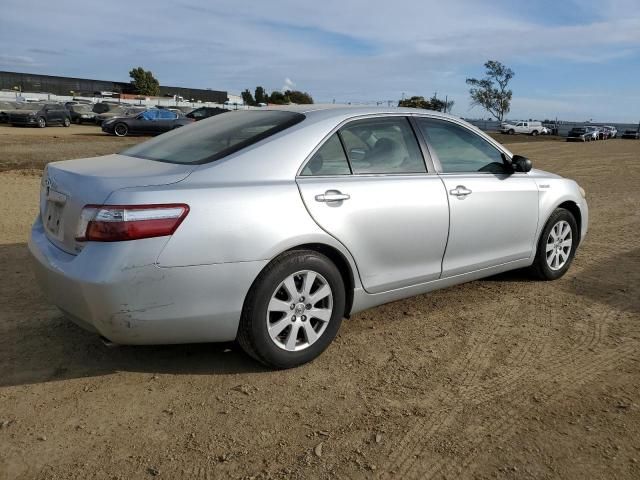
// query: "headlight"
[[582, 192]]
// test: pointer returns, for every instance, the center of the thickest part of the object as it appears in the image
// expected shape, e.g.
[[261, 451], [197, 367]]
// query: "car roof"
[[341, 112]]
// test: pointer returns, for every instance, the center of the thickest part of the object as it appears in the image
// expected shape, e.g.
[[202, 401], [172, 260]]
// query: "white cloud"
[[351, 51]]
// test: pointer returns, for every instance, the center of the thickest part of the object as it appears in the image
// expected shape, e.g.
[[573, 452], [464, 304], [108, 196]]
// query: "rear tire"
[[282, 331], [556, 246], [534, 133], [511, 132], [121, 129], [66, 122]]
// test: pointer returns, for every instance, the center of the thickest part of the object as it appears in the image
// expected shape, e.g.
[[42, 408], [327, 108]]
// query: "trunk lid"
[[68, 186]]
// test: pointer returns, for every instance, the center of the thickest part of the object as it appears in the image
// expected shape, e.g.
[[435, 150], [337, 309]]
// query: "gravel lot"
[[499, 378]]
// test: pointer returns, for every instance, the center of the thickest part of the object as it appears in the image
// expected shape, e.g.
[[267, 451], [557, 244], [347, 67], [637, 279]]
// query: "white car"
[[529, 128]]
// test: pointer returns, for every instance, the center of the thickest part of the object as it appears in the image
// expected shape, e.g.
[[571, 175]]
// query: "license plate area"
[[53, 214]]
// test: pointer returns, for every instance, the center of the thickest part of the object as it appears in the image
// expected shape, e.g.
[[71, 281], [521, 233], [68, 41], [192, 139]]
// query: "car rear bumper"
[[136, 302]]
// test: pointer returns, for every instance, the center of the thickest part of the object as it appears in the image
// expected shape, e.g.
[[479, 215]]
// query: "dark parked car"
[[633, 134], [81, 112], [39, 115], [205, 112], [579, 134], [5, 108], [152, 122]]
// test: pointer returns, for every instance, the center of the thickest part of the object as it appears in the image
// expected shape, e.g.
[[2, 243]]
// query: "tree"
[[261, 96], [247, 98], [433, 103], [144, 82], [296, 96], [491, 92], [278, 98], [415, 102]]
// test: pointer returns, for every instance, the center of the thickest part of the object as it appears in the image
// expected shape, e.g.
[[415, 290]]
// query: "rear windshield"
[[215, 137]]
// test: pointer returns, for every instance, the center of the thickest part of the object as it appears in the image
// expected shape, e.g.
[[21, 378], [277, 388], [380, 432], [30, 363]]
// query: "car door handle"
[[460, 191], [332, 196]]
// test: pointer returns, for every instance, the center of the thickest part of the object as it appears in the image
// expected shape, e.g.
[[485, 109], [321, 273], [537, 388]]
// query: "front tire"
[[121, 129], [293, 310], [557, 246], [42, 122], [66, 122]]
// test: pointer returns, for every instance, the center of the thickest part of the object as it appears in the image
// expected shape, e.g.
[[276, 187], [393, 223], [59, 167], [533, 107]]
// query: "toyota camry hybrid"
[[270, 226]]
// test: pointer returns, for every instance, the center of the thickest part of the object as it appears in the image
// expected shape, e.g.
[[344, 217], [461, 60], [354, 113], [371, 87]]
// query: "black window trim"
[[425, 153]]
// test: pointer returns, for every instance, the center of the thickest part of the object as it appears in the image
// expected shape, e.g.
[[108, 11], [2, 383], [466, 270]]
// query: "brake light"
[[116, 223]]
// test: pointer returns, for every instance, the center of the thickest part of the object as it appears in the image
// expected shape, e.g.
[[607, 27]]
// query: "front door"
[[368, 187], [494, 212]]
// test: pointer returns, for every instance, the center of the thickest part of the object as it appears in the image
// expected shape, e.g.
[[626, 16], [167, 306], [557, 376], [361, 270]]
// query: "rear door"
[[166, 121], [494, 212], [367, 186]]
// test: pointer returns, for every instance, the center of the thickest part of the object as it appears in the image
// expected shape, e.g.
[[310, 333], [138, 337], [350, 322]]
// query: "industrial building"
[[29, 82]]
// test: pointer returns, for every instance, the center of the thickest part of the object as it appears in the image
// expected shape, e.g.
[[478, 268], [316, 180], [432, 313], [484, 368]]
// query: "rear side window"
[[382, 146], [215, 137], [330, 159]]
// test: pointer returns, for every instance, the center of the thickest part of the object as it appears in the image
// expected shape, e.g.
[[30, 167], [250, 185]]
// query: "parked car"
[[39, 115], [119, 111], [595, 133], [633, 134], [104, 107], [154, 121], [81, 113], [579, 134], [611, 131], [5, 108], [530, 128], [205, 112], [270, 226]]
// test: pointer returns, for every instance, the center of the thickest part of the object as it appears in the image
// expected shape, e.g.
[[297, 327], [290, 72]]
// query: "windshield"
[[215, 137]]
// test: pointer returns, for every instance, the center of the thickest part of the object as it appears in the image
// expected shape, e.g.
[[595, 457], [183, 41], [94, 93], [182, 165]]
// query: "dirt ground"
[[501, 378]]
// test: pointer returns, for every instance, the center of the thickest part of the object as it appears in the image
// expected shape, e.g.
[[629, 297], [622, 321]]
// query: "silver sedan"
[[270, 226]]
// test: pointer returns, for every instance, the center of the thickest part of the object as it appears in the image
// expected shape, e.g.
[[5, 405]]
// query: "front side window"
[[215, 137], [459, 149], [382, 146], [330, 159]]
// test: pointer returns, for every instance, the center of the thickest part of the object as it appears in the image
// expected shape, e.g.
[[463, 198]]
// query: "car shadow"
[[38, 344]]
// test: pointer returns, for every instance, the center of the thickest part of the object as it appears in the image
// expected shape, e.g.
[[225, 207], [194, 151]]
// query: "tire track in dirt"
[[577, 365], [474, 364]]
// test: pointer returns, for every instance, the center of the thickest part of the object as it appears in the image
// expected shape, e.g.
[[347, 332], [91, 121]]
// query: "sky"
[[575, 60]]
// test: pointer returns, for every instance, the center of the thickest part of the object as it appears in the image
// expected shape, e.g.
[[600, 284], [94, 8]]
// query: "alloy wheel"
[[559, 243], [299, 310]]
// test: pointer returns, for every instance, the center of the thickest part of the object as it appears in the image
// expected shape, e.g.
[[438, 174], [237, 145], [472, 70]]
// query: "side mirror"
[[521, 164]]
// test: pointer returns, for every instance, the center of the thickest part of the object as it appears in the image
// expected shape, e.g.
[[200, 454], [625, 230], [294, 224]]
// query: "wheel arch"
[[573, 208], [339, 260]]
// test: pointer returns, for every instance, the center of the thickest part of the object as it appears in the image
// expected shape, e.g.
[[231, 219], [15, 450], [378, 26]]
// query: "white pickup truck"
[[530, 128]]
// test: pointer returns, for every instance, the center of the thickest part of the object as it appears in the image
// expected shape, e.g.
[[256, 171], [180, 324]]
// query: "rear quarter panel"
[[228, 222]]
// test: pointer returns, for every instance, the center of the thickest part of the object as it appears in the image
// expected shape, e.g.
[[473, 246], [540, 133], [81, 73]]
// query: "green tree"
[[144, 82], [247, 98], [261, 95], [278, 98], [415, 102], [491, 92], [433, 103], [296, 96]]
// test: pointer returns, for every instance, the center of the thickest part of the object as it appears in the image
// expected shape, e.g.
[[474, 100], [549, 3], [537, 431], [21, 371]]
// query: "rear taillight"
[[115, 223]]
